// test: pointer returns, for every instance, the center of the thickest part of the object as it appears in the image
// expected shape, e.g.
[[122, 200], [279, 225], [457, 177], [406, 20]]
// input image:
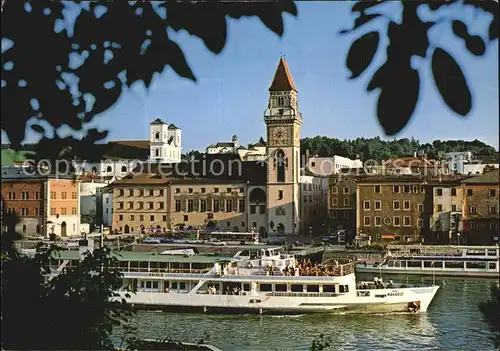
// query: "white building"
[[456, 160], [326, 166], [165, 142], [107, 207], [477, 168], [91, 201], [313, 200], [254, 152]]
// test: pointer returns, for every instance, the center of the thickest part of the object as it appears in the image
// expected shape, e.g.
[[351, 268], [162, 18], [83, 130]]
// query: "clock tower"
[[283, 121]]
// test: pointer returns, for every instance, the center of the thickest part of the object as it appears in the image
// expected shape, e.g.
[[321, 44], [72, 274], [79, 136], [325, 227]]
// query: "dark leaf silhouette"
[[362, 6], [397, 100], [451, 82], [182, 67], [37, 128], [493, 29], [361, 53], [473, 43], [362, 19]]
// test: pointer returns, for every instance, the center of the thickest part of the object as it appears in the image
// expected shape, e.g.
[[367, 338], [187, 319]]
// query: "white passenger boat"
[[262, 281], [459, 261]]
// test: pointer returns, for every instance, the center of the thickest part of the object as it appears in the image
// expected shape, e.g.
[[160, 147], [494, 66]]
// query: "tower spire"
[[282, 78]]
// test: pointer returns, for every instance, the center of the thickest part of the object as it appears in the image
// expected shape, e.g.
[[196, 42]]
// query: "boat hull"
[[413, 300]]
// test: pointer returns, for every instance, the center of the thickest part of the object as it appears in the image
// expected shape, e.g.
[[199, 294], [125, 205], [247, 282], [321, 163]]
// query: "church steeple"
[[282, 78]]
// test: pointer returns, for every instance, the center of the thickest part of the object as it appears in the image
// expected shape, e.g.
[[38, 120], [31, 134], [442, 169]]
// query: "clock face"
[[280, 133]]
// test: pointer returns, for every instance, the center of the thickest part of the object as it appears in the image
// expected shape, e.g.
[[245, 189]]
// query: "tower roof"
[[282, 78], [158, 121]]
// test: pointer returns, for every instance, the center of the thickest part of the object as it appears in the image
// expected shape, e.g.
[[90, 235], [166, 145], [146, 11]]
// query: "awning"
[[388, 236]]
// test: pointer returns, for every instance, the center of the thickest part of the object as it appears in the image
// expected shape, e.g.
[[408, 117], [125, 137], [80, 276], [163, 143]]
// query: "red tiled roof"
[[282, 78]]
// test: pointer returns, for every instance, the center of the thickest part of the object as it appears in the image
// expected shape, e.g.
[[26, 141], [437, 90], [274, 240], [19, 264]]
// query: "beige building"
[[391, 207], [342, 203]]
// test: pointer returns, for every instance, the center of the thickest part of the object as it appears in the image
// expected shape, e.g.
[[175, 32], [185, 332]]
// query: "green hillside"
[[11, 156]]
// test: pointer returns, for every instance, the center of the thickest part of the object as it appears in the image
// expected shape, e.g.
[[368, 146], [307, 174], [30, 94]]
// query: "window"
[[395, 189], [190, 206], [280, 194], [420, 208], [334, 214], [242, 190], [52, 195], [469, 192], [151, 192], [346, 215], [203, 205], [161, 192], [493, 225], [406, 221], [406, 205], [366, 205], [376, 189], [262, 209], [335, 190], [280, 164], [252, 209], [346, 202], [160, 205], [406, 188], [120, 217], [120, 205], [366, 221], [313, 288], [493, 192], [203, 190], [130, 204], [36, 211], [229, 205], [493, 210], [52, 211], [415, 189], [473, 209], [419, 223], [141, 218], [73, 210], [378, 221], [439, 192], [216, 190], [454, 208], [396, 221], [216, 205], [241, 206], [190, 190], [453, 191], [474, 226], [177, 205], [440, 208], [395, 205], [346, 190], [164, 218], [132, 217], [177, 190], [377, 204], [152, 218]]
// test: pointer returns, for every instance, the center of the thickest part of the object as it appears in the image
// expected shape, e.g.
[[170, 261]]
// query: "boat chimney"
[[85, 245]]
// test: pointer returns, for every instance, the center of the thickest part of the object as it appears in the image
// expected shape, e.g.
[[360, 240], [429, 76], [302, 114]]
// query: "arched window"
[[124, 169], [24, 228], [257, 195], [108, 169], [280, 164], [94, 169], [157, 153], [157, 136]]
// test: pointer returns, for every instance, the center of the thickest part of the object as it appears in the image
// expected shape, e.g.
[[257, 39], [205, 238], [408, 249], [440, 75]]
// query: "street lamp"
[[458, 239], [310, 233]]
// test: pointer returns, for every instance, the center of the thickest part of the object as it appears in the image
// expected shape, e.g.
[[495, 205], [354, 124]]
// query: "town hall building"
[[228, 190]]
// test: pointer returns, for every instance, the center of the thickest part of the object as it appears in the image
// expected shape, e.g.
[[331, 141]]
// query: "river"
[[453, 322]]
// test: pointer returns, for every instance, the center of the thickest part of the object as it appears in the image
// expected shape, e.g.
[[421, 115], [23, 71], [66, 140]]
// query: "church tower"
[[283, 121]]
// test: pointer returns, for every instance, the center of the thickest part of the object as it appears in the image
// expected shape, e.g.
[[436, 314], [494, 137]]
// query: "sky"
[[231, 94]]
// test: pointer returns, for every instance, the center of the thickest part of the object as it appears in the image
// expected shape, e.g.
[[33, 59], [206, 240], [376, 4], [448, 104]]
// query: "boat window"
[[492, 252], [431, 264], [449, 264], [142, 284], [182, 285], [162, 265], [313, 288], [153, 265], [343, 288], [391, 264], [475, 253], [362, 293], [414, 264], [123, 264], [143, 266], [296, 288], [266, 287], [148, 285], [492, 265], [280, 287], [134, 265], [329, 288], [246, 287], [245, 253], [155, 284], [174, 285], [477, 265]]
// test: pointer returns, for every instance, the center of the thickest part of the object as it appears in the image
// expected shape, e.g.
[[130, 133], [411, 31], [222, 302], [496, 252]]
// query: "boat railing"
[[168, 270], [302, 294]]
